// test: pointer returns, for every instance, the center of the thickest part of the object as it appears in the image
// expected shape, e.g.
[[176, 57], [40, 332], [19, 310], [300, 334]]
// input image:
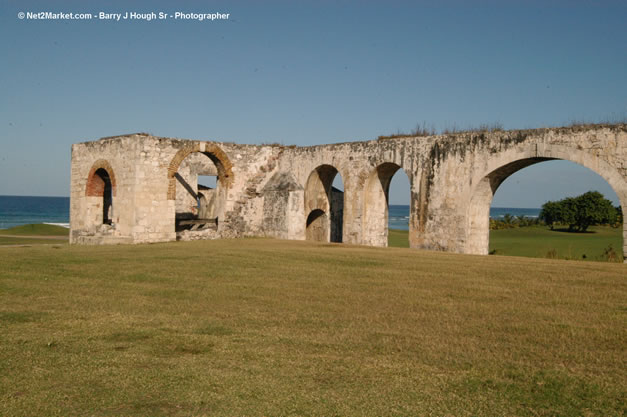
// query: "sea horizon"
[[19, 210], [44, 196]]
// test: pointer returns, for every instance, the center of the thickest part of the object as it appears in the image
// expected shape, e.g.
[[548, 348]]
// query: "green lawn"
[[5, 240], [34, 234], [36, 229], [541, 242], [398, 238], [277, 328]]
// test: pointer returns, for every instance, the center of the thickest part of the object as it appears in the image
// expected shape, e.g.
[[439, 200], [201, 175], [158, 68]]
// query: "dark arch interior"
[[337, 208], [324, 198], [385, 173], [327, 174], [314, 215], [107, 195]]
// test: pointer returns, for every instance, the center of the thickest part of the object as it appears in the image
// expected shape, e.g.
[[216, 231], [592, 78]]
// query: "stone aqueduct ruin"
[[140, 188]]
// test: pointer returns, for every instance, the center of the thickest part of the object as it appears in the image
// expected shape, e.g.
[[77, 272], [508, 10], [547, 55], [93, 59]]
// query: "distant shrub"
[[511, 222]]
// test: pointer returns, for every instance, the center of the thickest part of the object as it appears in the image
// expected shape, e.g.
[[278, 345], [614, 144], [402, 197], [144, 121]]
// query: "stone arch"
[[211, 150], [501, 167], [376, 204], [101, 187], [95, 182], [194, 212], [325, 203]]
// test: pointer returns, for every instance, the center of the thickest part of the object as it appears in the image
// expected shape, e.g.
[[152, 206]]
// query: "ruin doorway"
[[107, 196], [200, 196], [324, 205], [378, 206], [100, 190]]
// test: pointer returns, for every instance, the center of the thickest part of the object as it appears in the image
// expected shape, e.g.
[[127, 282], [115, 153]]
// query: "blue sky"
[[305, 72]]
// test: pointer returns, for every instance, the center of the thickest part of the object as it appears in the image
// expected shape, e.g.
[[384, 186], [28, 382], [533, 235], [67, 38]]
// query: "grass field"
[[34, 234], [278, 328], [9, 240], [36, 230], [541, 242], [398, 238]]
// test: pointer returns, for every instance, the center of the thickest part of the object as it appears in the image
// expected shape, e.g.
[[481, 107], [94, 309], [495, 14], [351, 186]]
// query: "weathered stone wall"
[[282, 200], [86, 224], [465, 173], [145, 200], [273, 190]]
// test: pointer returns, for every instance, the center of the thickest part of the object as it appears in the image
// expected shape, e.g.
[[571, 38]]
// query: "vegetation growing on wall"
[[424, 130]]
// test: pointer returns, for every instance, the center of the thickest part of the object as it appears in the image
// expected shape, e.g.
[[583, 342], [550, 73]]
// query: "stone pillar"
[[353, 206]]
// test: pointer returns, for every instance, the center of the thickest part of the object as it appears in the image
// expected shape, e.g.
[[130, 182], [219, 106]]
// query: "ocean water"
[[398, 215], [17, 210]]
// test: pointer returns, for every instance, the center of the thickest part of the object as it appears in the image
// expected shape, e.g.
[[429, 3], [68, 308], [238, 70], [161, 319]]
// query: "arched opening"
[[399, 197], [200, 182], [386, 207], [324, 205], [100, 189], [506, 222], [107, 196]]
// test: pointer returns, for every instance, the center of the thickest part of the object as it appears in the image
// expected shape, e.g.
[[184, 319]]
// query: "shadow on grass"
[[574, 232]]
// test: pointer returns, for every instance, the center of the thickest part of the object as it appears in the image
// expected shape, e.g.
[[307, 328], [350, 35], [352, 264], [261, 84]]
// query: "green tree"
[[569, 213], [593, 208], [579, 212], [551, 213]]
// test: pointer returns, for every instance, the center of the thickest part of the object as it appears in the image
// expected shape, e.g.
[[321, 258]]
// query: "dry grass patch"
[[265, 327]]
